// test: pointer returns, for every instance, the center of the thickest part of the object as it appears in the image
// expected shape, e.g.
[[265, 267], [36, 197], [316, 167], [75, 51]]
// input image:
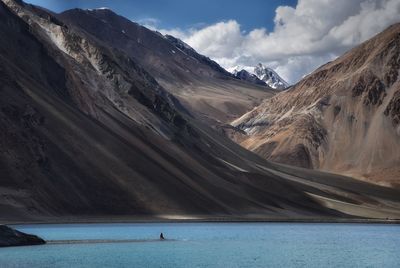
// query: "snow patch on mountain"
[[270, 77], [260, 73], [99, 8]]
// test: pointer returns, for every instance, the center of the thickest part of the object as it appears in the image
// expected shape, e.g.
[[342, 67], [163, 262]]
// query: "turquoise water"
[[211, 245]]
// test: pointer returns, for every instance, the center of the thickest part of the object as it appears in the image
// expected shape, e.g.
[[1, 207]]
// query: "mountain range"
[[103, 118]]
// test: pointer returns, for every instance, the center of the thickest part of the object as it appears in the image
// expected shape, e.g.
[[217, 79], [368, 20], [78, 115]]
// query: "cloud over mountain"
[[303, 37]]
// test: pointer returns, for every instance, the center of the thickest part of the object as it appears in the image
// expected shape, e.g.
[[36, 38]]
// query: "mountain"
[[270, 77], [343, 118], [87, 133], [208, 91], [246, 76], [188, 50], [260, 75]]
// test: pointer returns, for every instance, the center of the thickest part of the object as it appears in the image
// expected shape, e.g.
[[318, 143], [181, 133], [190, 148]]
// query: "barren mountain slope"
[[207, 90], [344, 117], [86, 133]]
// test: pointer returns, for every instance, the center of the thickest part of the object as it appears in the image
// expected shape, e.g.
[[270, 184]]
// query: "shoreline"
[[197, 220]]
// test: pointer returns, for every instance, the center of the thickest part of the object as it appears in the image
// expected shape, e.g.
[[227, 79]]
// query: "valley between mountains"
[[102, 118]]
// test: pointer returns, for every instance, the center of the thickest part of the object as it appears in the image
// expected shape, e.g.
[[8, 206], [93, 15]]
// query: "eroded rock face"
[[11, 238], [371, 89], [343, 117], [393, 109]]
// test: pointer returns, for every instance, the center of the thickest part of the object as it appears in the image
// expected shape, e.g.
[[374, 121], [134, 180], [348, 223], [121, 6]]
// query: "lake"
[[209, 245]]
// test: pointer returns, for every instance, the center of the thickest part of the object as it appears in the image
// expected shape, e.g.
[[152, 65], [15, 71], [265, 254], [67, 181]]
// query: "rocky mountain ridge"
[[342, 118], [208, 91]]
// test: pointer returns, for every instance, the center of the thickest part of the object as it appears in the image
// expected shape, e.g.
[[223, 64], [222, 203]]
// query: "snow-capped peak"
[[270, 77], [234, 70], [263, 73]]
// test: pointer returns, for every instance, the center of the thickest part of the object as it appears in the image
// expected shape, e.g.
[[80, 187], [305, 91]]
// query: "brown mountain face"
[[88, 133], [344, 117], [207, 90]]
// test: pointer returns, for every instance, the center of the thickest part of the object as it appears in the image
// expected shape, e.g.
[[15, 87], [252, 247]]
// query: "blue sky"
[[182, 13]]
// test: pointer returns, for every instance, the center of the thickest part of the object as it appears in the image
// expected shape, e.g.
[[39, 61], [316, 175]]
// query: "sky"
[[292, 37], [184, 14]]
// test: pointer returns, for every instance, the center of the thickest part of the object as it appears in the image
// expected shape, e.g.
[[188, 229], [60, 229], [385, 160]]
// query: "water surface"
[[209, 245]]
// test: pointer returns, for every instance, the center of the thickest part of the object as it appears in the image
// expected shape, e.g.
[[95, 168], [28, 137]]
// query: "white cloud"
[[214, 39], [304, 37]]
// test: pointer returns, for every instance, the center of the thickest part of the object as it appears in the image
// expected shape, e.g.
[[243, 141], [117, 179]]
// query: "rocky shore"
[[10, 237]]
